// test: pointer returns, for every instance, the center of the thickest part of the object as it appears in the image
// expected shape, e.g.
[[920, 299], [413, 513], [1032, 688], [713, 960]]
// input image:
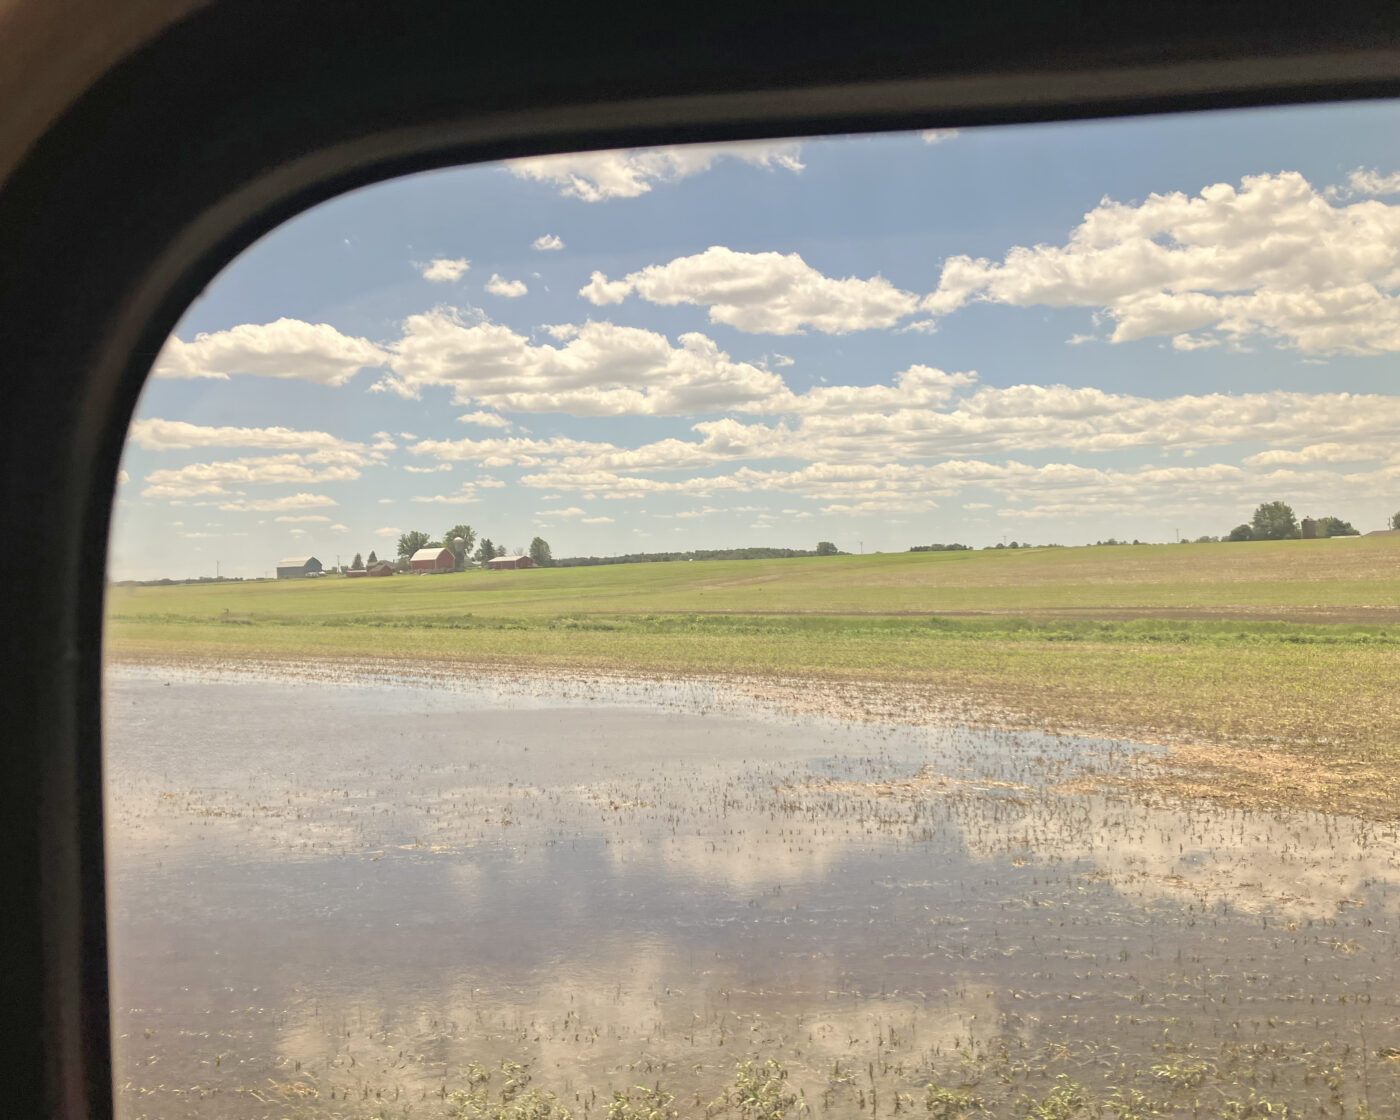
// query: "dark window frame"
[[244, 114]]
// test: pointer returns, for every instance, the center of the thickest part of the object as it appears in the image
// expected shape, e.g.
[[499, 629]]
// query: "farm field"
[[1222, 650], [1342, 577]]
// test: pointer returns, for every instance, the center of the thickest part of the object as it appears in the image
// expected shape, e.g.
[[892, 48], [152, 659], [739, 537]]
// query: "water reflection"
[[339, 898]]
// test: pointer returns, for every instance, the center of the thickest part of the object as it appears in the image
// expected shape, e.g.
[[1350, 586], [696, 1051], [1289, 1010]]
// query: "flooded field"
[[340, 900]]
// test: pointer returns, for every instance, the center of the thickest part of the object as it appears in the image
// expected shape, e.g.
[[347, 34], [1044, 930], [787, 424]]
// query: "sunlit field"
[[1289, 646], [1268, 579]]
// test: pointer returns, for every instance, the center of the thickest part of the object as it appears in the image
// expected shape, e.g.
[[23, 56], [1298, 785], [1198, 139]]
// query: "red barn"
[[433, 560], [380, 568], [506, 563]]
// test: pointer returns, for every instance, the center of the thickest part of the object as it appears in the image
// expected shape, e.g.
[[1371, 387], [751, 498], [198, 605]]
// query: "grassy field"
[[1292, 647]]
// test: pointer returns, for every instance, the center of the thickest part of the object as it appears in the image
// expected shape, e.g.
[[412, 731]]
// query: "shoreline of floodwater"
[[1238, 771]]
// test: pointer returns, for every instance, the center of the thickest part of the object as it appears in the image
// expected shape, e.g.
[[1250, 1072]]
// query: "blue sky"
[[1053, 333]]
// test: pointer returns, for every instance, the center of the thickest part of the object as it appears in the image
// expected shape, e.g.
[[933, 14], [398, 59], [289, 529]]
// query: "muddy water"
[[332, 900]]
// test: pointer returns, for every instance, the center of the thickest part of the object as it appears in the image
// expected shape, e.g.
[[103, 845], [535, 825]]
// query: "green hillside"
[[1347, 574]]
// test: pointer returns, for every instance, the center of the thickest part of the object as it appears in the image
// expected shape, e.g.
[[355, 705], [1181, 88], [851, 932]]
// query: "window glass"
[[860, 625]]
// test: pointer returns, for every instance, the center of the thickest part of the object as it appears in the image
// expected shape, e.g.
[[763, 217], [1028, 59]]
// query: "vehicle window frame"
[[226, 125]]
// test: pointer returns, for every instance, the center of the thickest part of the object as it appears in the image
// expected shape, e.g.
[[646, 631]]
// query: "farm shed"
[[379, 568], [297, 567], [433, 560], [507, 563]]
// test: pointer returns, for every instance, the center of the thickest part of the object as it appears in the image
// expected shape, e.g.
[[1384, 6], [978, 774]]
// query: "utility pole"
[[216, 569], [862, 547]]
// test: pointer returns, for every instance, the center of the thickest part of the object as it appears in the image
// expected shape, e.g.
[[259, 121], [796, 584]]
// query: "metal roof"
[[502, 559], [296, 561], [429, 553]]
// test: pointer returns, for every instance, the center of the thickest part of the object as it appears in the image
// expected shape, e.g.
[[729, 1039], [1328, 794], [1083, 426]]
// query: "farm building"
[[507, 563], [379, 568], [433, 560], [297, 567], [1384, 533]]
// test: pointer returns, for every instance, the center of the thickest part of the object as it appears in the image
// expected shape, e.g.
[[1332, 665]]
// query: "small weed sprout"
[[1130, 1104], [759, 1092], [1254, 1108], [1182, 1075], [641, 1103], [952, 1104], [514, 1101], [1068, 1100]]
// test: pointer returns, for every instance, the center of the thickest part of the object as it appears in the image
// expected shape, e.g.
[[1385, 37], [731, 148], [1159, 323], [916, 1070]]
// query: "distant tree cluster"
[[695, 554], [486, 548], [1275, 521], [941, 548], [166, 581]]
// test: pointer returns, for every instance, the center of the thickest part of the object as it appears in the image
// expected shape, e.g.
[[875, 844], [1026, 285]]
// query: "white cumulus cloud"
[[286, 348], [485, 420], [547, 243], [627, 173], [509, 289], [1273, 259], [179, 435], [273, 505], [771, 293], [444, 270], [198, 479], [1366, 181], [600, 370]]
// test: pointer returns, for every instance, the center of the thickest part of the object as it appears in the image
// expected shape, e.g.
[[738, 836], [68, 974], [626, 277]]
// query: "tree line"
[[486, 548], [1272, 521], [824, 548], [1275, 521]]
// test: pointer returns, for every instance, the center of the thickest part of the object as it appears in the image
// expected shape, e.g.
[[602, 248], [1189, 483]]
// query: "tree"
[[826, 548], [468, 535], [1395, 521], [540, 554], [486, 550], [1335, 527], [373, 559], [1241, 533], [1274, 521], [411, 542], [357, 565]]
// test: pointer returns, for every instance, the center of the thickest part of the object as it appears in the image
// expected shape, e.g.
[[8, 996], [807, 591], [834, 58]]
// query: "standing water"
[[337, 900]]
